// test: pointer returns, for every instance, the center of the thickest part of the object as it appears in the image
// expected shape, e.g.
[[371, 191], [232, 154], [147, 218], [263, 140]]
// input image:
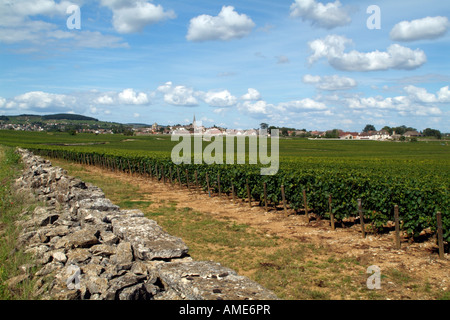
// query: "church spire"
[[194, 124]]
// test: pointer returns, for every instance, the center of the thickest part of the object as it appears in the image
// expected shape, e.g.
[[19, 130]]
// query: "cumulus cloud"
[[178, 95], [104, 100], [304, 105], [332, 48], [129, 96], [328, 16], [422, 95], [39, 100], [226, 26], [219, 99], [252, 94], [38, 7], [20, 22], [284, 109], [330, 83], [130, 16], [425, 28], [416, 102], [444, 94], [259, 107]]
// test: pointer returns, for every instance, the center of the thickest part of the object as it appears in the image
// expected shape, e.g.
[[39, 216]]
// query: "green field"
[[413, 175]]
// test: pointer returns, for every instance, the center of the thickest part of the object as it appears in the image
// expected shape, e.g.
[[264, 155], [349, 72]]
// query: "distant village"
[[369, 133]]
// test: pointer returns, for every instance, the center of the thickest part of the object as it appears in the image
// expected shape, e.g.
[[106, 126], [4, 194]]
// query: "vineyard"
[[322, 179]]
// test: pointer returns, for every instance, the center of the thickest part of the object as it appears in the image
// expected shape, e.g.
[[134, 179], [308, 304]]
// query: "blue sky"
[[298, 63]]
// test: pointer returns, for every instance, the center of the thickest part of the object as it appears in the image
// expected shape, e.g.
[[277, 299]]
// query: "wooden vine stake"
[[179, 178], [163, 174], [232, 192], [361, 218], [265, 196], [305, 203], [248, 194], [440, 235], [187, 178], [207, 184], [333, 227], [397, 228], [196, 181], [283, 197], [171, 175], [218, 184]]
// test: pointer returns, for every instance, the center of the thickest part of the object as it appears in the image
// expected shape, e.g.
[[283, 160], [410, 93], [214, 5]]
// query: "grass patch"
[[11, 206]]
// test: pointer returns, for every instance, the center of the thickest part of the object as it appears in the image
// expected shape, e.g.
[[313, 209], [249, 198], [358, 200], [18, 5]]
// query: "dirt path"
[[417, 259]]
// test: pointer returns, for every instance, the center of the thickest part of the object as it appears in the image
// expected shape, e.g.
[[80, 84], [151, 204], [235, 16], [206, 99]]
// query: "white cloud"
[[283, 110], [96, 40], [178, 95], [420, 94], [444, 94], [219, 99], [39, 100], [304, 104], [134, 16], [226, 26], [104, 100], [330, 83], [416, 102], [396, 57], [328, 16], [37, 7], [252, 94], [258, 107], [425, 28], [19, 23], [129, 96]]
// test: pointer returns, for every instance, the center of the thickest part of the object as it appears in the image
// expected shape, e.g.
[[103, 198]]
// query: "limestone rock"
[[206, 280], [148, 239], [83, 238], [123, 256]]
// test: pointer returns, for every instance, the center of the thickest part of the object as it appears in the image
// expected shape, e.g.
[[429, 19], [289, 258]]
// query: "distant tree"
[[128, 132], [264, 126], [332, 134], [388, 129], [428, 132], [402, 129], [369, 127], [64, 116]]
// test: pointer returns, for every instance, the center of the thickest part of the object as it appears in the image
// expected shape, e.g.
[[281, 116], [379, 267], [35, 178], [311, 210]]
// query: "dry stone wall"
[[88, 248]]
